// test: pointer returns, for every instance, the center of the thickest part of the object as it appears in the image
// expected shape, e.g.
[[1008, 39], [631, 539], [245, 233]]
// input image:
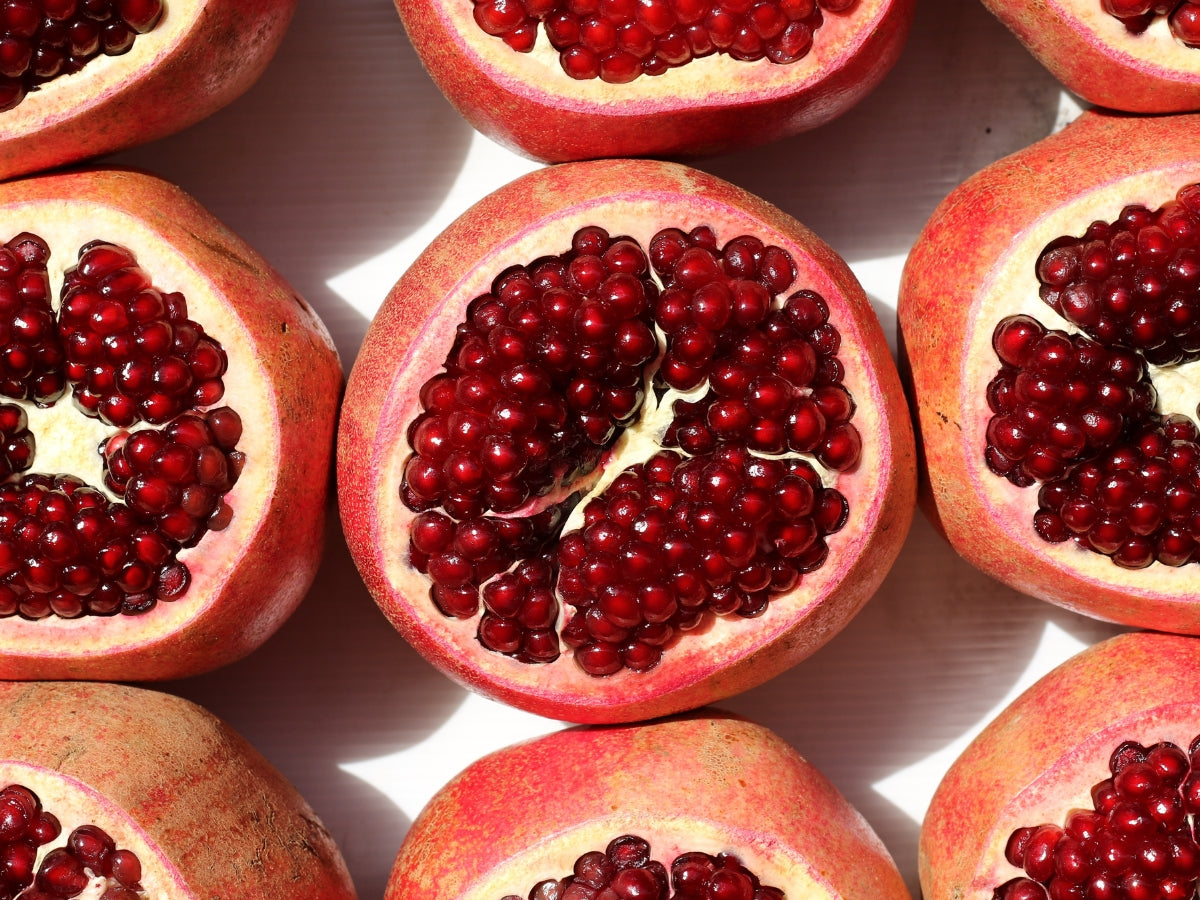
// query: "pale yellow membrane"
[[104, 75], [66, 226], [639, 216], [669, 837], [1156, 47], [713, 80], [1045, 800], [1013, 288], [75, 804]]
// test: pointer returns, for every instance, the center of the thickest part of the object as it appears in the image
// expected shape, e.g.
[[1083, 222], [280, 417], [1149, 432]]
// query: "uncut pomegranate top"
[[41, 40], [117, 452], [624, 442], [1078, 411]]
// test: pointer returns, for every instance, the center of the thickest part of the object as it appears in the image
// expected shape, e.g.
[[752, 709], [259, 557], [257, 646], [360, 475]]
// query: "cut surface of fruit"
[[88, 809], [653, 78], [695, 808], [647, 450], [151, 386], [75, 82], [1082, 787], [1142, 60], [1079, 383]]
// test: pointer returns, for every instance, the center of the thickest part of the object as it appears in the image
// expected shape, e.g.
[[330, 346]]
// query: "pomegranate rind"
[[706, 782], [972, 265], [408, 341], [526, 102], [1039, 758], [1094, 55], [200, 57], [284, 380], [156, 772]]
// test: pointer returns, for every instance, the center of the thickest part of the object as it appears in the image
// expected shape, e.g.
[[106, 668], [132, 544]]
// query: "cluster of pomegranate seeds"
[[1136, 15], [676, 539], [43, 39], [619, 40], [66, 871], [131, 356], [625, 871], [1078, 413], [547, 370], [1136, 843]]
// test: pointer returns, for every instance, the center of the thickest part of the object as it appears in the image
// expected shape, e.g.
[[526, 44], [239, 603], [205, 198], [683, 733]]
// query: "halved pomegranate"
[[1085, 786], [116, 793], [79, 78], [624, 440], [167, 408], [705, 807], [1059, 440], [1131, 55], [583, 79]]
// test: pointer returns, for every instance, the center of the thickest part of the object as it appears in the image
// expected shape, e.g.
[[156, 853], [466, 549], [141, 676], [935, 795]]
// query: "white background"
[[344, 161]]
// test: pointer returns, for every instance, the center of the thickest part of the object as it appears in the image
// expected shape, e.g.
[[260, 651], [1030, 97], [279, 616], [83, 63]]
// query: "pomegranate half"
[[1085, 786], [1135, 63], [1044, 313], [703, 96], [129, 794], [601, 499], [78, 80], [724, 805], [167, 428]]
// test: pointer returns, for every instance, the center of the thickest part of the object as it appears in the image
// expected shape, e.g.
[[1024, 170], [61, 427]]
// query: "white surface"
[[344, 161]]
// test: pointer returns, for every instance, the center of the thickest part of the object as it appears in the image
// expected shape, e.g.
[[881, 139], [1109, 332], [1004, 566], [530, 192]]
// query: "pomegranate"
[[1058, 446], [167, 423], [653, 77], [1085, 786], [696, 808], [105, 790], [1131, 55], [624, 440], [79, 78]]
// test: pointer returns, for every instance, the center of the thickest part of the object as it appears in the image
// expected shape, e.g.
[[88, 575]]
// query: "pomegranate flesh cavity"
[[653, 77], [146, 381], [591, 814], [647, 451], [89, 809], [79, 78], [1062, 450], [40, 40], [1129, 55], [1085, 786]]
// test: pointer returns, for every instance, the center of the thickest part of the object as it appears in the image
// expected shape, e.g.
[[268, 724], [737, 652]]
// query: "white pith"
[[1155, 48], [66, 226], [775, 864], [1065, 785], [75, 804], [1010, 288], [639, 214], [62, 97], [713, 80]]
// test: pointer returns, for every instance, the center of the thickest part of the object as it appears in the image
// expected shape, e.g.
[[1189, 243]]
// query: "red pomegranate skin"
[[214, 61], [256, 584], [407, 343], [962, 247], [701, 777], [1040, 757], [1096, 57], [228, 821], [532, 117]]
